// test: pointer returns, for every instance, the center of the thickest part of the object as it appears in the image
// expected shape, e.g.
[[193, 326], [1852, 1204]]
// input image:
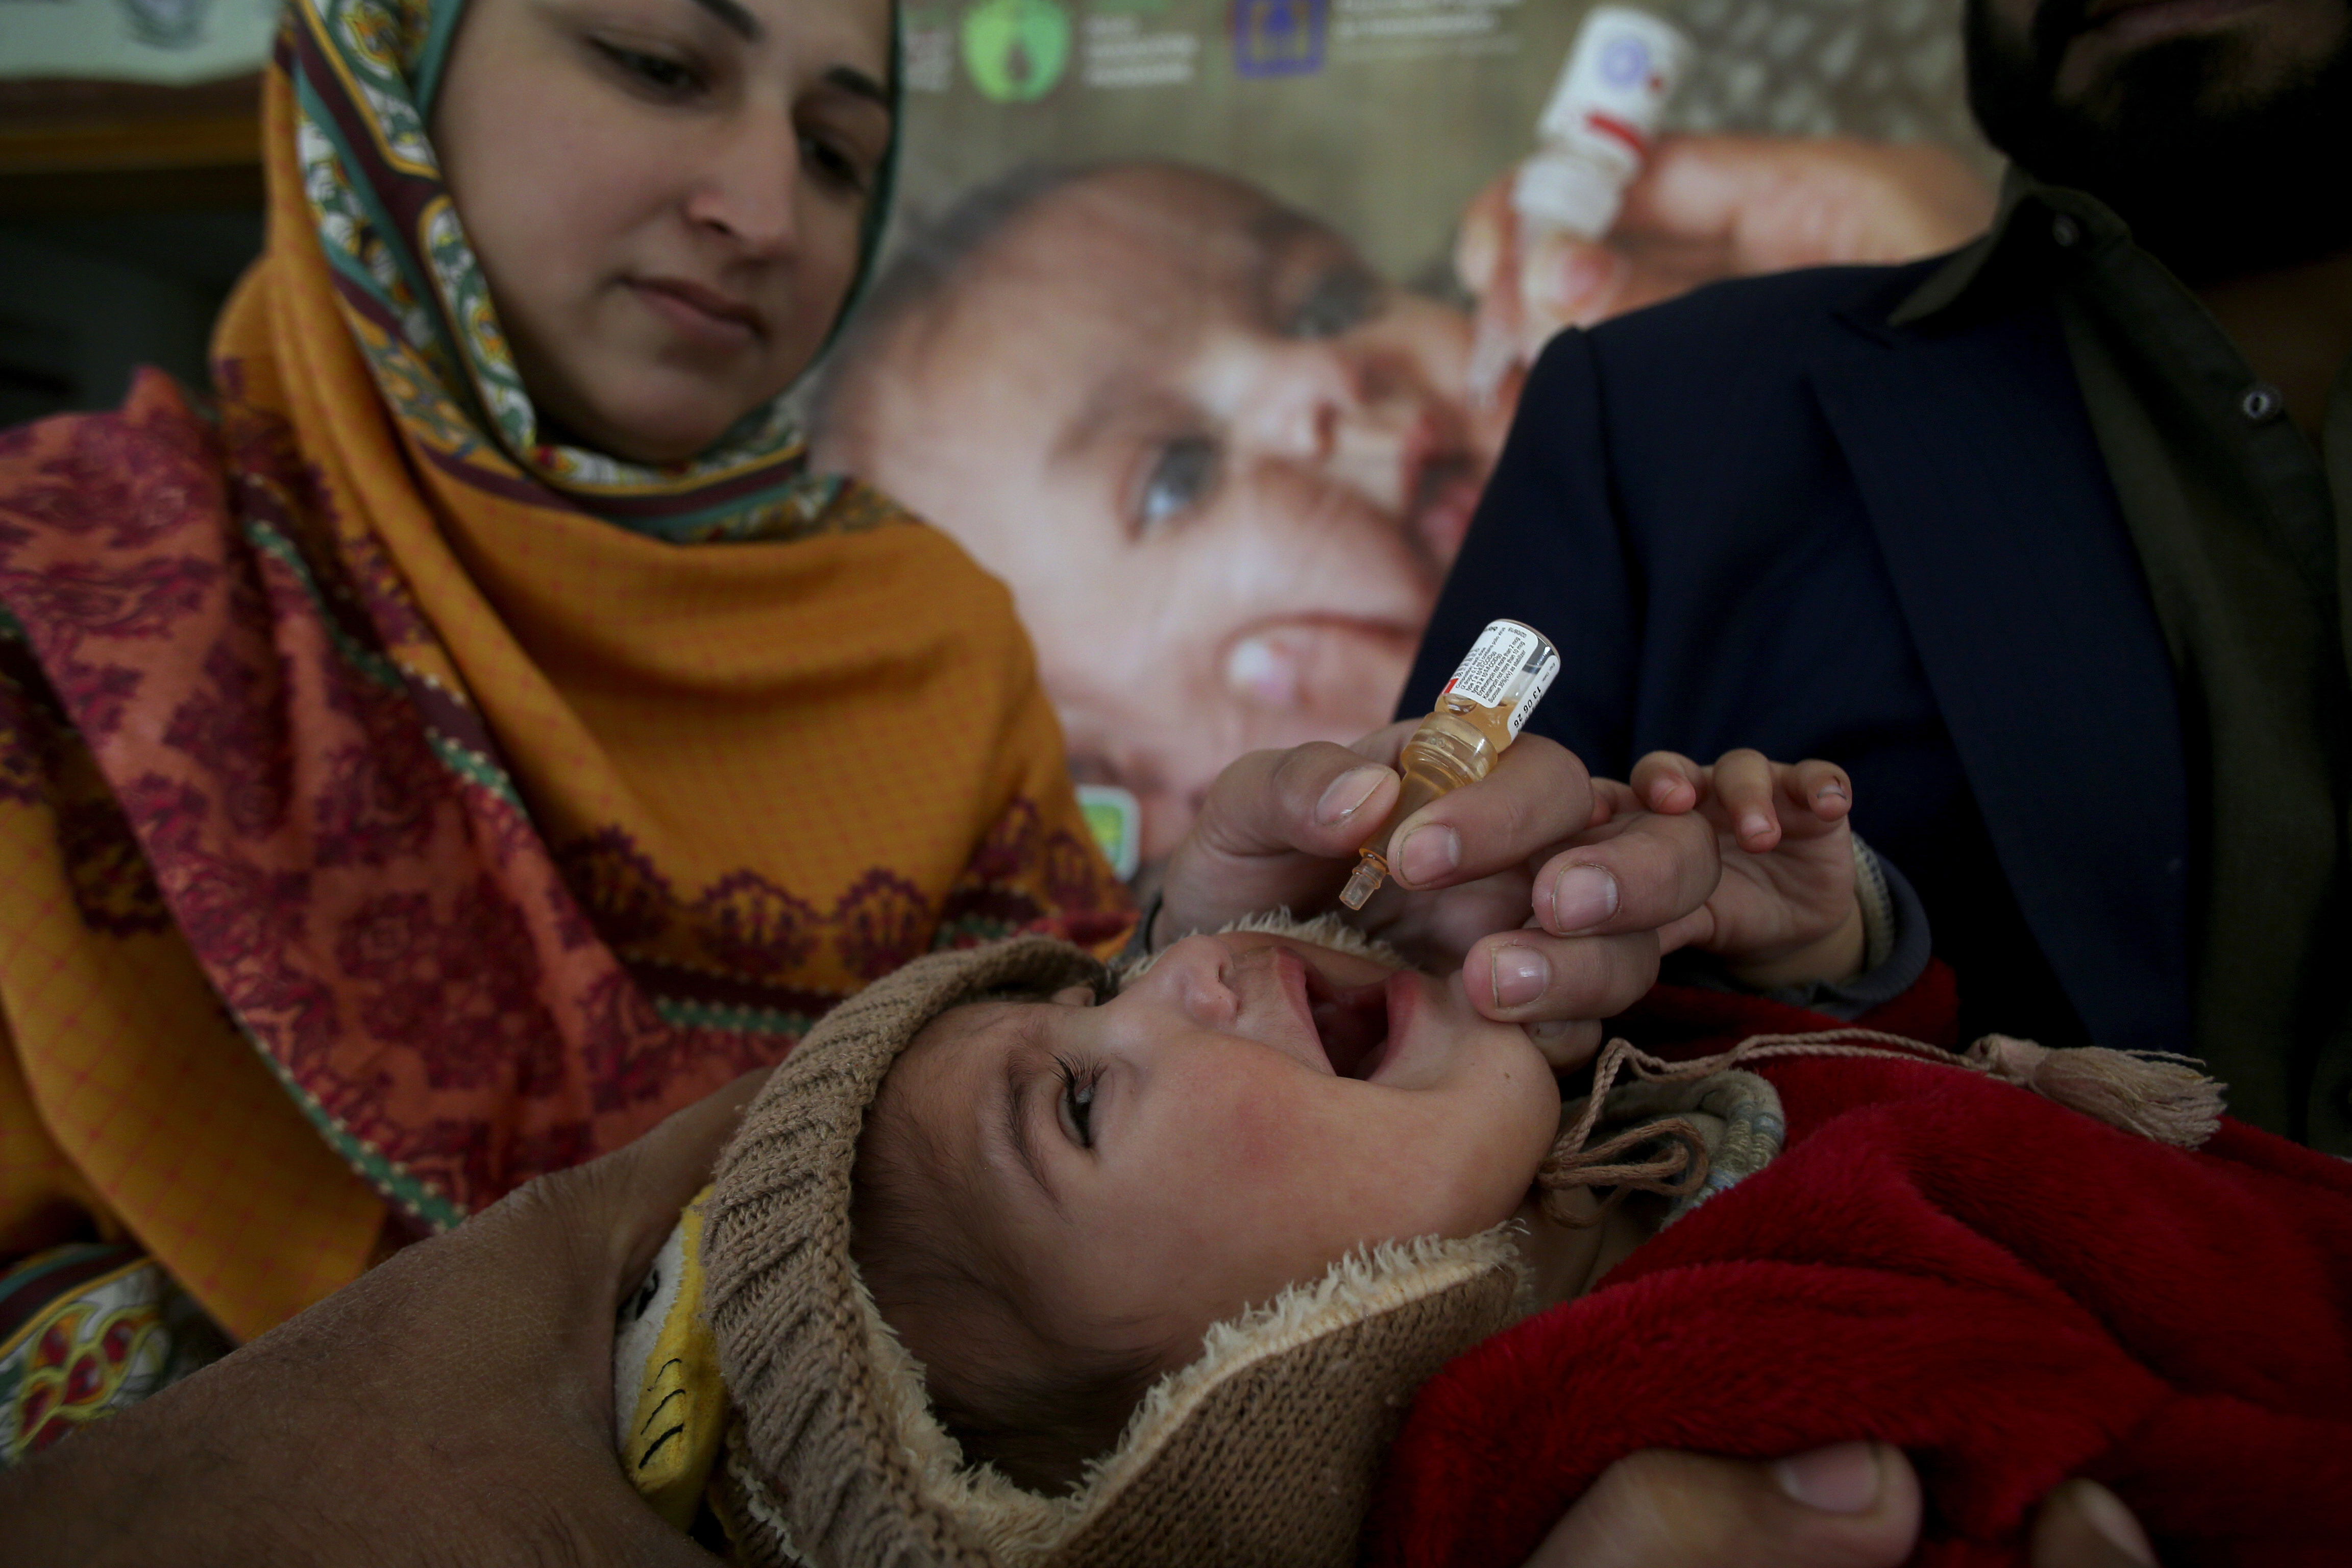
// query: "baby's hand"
[[1786, 911]]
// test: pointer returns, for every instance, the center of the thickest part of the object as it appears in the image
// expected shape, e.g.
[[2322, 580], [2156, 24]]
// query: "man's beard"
[[2213, 189]]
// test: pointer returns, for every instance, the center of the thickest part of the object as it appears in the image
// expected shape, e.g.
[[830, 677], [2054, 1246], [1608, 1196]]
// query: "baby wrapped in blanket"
[[1012, 1264]]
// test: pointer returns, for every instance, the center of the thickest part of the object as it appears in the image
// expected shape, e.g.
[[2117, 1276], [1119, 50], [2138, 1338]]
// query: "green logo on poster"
[[1015, 49]]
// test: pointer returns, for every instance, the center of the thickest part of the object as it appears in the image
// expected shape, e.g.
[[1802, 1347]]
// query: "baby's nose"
[[1197, 974]]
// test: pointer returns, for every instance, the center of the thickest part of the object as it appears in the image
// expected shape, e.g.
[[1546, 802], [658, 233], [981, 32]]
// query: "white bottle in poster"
[[1596, 129]]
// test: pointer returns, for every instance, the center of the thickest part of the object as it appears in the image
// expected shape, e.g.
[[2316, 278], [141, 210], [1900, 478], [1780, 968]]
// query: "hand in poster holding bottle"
[[1710, 208], [1603, 219]]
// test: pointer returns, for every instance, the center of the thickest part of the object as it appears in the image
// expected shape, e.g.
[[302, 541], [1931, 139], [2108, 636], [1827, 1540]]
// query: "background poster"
[[1178, 329], [169, 42]]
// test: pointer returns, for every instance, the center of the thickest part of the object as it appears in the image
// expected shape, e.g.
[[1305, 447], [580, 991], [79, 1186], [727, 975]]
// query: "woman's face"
[[667, 198], [1221, 464]]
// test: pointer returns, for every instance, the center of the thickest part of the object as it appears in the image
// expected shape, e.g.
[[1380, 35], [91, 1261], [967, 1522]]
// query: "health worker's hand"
[[1853, 1505], [1785, 912], [1707, 208], [454, 1404], [1549, 929]]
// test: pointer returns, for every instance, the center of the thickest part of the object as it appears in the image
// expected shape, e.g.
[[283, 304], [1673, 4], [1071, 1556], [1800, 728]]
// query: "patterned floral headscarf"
[[364, 73]]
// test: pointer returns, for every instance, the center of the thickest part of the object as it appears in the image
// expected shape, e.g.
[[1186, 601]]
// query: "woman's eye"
[[1077, 1107], [832, 164], [1343, 298], [1180, 477], [665, 77]]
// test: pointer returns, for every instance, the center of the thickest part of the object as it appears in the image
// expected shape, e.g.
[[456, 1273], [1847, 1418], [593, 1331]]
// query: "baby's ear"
[[1075, 996]]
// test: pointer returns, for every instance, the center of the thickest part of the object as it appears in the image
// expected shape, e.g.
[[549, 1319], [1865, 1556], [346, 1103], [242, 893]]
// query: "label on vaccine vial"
[[1511, 667]]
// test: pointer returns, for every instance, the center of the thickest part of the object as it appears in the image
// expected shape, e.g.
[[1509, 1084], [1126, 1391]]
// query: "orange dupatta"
[[378, 824]]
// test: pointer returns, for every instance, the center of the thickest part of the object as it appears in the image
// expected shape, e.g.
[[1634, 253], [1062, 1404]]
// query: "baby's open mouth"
[[1351, 1022]]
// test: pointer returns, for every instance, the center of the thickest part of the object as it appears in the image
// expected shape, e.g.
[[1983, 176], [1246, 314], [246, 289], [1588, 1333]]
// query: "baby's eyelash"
[[1078, 1082]]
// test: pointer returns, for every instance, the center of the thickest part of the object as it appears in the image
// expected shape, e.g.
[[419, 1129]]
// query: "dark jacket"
[[1762, 516]]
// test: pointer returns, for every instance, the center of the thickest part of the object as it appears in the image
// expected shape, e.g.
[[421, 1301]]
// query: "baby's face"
[[1221, 464], [1245, 1114]]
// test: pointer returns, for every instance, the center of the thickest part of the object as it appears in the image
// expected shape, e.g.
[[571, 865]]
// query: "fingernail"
[[1843, 1479], [1581, 895], [2107, 1514], [1831, 791], [1520, 975], [1754, 826], [1345, 796], [1430, 853]]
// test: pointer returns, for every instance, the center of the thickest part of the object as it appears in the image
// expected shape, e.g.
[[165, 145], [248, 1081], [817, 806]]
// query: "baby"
[[1019, 1262], [1056, 1200]]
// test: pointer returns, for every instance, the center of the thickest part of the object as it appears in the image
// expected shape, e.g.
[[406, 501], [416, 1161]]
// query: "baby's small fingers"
[[1818, 788], [1611, 800], [1744, 792], [1669, 783]]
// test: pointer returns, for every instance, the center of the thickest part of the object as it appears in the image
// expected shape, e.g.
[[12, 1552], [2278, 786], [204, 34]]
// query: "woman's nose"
[[750, 186]]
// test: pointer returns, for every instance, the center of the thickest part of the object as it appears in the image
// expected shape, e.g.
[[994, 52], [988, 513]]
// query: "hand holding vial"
[[1553, 893], [1478, 716], [1492, 878]]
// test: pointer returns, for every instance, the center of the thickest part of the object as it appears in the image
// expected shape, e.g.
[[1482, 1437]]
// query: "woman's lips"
[[700, 314]]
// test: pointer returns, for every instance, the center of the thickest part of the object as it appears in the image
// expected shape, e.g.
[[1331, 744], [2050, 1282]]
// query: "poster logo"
[[167, 24], [1016, 50], [1278, 37]]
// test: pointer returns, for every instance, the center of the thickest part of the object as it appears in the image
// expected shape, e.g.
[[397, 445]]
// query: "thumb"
[[1852, 1505]]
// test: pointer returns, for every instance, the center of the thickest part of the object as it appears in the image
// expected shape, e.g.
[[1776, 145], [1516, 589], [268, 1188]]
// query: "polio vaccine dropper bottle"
[[1596, 130], [1479, 713], [1591, 140]]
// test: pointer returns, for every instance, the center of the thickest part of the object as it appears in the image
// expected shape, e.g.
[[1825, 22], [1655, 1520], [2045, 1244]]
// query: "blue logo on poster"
[[1278, 37]]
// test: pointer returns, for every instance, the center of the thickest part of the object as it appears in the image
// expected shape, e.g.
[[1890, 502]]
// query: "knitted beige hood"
[[1264, 1450]]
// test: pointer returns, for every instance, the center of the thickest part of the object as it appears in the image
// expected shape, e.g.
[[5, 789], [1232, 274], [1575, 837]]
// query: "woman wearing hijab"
[[473, 732]]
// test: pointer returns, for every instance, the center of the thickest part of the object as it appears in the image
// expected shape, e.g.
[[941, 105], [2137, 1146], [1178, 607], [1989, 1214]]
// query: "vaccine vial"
[[1596, 130], [1479, 713], [1593, 137]]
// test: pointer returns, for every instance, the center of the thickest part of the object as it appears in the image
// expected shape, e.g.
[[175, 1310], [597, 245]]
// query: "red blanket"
[[2010, 1291]]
